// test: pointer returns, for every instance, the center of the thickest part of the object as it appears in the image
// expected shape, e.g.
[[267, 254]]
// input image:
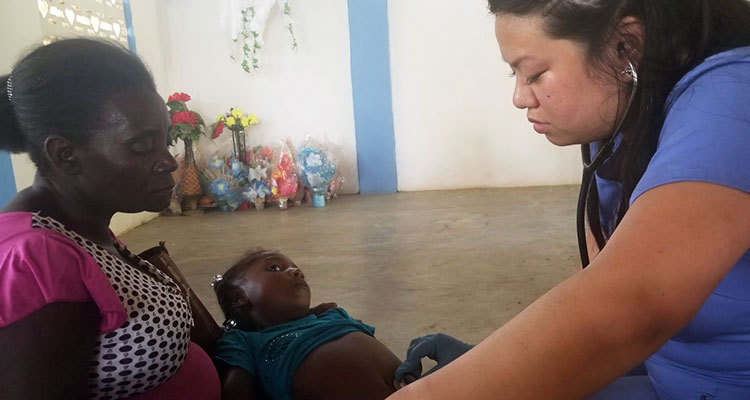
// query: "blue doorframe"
[[371, 89], [7, 180], [129, 24]]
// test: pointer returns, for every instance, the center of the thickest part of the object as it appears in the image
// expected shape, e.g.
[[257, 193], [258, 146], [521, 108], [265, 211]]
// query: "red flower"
[[266, 153], [184, 117], [183, 97], [218, 130]]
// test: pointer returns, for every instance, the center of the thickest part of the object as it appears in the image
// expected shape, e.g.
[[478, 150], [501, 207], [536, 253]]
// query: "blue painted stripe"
[[129, 24], [7, 180], [371, 87]]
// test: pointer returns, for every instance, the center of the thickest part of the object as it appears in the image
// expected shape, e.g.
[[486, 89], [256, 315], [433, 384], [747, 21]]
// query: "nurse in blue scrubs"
[[658, 92]]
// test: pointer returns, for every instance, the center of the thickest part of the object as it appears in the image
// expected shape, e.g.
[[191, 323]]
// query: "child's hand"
[[322, 307]]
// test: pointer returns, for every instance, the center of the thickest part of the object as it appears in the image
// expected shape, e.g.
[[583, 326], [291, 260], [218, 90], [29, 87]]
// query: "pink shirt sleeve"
[[39, 267]]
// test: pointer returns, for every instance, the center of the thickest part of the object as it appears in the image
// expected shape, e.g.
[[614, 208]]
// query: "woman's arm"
[[205, 331], [236, 383], [47, 354], [671, 250]]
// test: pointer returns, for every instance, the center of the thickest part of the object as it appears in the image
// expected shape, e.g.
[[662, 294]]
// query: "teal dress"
[[272, 355]]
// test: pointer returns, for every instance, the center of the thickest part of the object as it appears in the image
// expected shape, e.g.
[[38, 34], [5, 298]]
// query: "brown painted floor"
[[461, 262]]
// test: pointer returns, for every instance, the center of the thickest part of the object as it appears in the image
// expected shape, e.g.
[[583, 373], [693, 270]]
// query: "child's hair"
[[229, 284]]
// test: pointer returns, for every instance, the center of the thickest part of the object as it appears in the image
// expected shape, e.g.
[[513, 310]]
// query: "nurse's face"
[[565, 99]]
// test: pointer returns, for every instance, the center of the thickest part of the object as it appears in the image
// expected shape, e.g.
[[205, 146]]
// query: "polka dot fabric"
[[151, 345]]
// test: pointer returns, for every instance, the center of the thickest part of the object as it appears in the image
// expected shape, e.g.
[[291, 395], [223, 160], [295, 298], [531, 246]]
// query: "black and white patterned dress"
[[152, 343]]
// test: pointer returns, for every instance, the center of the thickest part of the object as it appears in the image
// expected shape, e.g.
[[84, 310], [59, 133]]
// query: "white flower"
[[314, 160]]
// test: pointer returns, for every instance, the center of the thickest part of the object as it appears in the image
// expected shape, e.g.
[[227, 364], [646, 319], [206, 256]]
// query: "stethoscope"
[[589, 168]]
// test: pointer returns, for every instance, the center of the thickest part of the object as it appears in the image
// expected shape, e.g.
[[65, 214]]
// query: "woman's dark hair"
[[60, 89], [678, 35], [228, 288]]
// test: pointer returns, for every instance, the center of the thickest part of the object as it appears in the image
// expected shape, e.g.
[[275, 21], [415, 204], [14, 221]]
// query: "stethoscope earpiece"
[[630, 70]]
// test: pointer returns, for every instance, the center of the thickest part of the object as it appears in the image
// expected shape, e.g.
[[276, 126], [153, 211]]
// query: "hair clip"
[[217, 278], [9, 87], [229, 324]]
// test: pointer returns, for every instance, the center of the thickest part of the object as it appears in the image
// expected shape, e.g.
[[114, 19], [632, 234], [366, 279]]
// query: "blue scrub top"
[[705, 138]]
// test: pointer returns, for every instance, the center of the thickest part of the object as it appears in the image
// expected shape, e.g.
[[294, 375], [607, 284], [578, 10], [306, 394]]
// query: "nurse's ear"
[[628, 40], [61, 155]]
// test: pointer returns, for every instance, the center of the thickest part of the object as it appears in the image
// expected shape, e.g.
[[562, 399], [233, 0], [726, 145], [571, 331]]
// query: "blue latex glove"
[[438, 346]]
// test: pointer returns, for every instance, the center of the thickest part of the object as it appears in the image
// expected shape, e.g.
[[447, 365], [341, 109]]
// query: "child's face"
[[276, 290]]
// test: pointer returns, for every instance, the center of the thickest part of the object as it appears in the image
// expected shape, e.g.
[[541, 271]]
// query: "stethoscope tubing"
[[590, 167]]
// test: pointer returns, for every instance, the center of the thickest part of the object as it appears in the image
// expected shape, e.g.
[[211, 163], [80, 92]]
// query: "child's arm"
[[322, 307], [236, 383]]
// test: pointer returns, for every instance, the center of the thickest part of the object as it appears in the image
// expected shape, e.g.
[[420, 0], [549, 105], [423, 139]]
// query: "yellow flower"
[[245, 121], [253, 119], [237, 113], [220, 118], [230, 121]]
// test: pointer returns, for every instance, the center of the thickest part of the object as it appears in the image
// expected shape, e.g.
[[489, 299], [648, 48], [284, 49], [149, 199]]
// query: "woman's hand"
[[47, 354]]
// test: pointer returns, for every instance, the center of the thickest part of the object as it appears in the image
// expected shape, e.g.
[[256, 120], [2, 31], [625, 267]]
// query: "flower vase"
[[191, 187], [239, 147], [318, 200]]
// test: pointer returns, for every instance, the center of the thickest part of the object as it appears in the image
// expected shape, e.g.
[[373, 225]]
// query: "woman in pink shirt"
[[81, 316]]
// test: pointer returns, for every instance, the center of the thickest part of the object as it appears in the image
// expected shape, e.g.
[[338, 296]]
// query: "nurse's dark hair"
[[678, 35], [60, 89]]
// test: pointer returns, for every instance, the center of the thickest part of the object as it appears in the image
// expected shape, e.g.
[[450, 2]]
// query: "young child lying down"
[[281, 350]]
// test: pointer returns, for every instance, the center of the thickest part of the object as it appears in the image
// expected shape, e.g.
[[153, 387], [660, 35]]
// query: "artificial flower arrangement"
[[228, 182], [221, 184], [188, 126], [317, 168], [259, 158], [236, 121], [273, 176], [247, 34], [284, 178]]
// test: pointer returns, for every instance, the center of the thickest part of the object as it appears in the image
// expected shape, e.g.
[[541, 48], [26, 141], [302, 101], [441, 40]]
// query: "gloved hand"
[[438, 346]]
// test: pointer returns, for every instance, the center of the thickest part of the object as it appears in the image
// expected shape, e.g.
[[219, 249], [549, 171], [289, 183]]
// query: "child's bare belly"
[[354, 366]]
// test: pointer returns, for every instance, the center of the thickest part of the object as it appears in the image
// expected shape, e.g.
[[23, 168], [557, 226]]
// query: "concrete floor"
[[462, 262]]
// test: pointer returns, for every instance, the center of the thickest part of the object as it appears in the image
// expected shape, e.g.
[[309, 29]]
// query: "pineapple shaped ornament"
[[191, 187]]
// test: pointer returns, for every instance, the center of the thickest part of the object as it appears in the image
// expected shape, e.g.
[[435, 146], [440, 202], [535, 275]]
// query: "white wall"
[[295, 93], [455, 125]]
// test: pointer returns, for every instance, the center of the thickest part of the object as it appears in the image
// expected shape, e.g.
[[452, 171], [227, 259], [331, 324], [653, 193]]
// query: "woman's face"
[[276, 289], [126, 165], [565, 100]]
